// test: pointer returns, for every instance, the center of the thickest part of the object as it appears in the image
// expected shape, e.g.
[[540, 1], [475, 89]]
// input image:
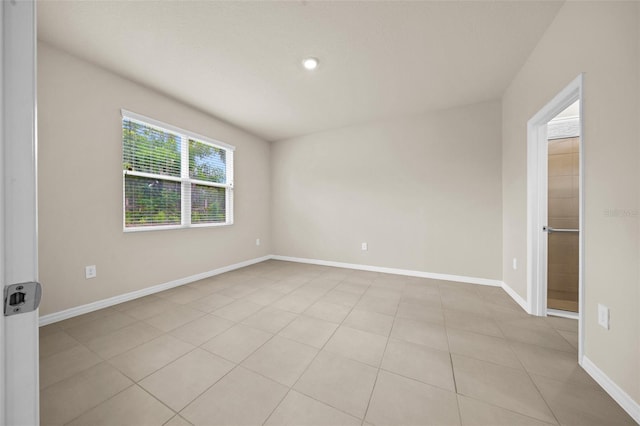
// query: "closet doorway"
[[555, 220]]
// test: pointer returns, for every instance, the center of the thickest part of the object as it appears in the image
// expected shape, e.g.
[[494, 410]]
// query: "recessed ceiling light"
[[310, 63]]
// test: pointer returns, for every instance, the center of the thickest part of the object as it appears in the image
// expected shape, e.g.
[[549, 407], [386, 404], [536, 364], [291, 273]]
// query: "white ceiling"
[[240, 61]]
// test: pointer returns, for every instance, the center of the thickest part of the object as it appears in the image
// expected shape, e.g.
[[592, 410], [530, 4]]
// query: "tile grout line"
[[509, 343], [239, 363], [375, 382], [316, 356], [311, 362], [453, 370], [102, 359], [233, 362], [100, 403], [136, 383], [535, 385], [453, 374]]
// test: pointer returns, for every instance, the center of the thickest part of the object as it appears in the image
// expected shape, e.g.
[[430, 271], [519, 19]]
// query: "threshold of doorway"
[[562, 314]]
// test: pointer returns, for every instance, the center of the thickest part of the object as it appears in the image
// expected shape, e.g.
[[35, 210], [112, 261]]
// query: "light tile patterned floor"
[[281, 343]]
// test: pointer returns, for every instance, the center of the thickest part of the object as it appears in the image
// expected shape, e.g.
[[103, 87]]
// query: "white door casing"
[[537, 187], [20, 388], [3, 420]]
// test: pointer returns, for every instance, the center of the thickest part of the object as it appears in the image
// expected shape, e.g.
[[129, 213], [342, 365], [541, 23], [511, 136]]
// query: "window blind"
[[172, 178]]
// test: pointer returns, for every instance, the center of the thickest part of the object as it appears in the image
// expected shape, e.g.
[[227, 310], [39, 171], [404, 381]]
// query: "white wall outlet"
[[365, 247], [603, 316], [90, 271], [514, 264], [257, 241]]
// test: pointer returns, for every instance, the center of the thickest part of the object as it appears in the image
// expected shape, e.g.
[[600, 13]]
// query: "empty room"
[[320, 213]]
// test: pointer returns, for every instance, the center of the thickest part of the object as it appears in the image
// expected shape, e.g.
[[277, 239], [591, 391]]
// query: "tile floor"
[[280, 343]]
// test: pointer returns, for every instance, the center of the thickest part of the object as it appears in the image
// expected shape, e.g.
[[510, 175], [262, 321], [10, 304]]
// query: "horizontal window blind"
[[173, 178], [150, 150], [206, 162], [208, 204], [151, 202]]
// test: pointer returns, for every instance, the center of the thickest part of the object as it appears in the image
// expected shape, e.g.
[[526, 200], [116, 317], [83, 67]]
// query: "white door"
[[19, 389]]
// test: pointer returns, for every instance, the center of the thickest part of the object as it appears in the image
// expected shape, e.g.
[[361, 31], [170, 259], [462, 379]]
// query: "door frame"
[[3, 343], [537, 188], [19, 383]]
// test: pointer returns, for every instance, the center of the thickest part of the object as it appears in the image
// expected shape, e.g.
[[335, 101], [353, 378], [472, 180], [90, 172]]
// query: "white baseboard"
[[105, 303], [406, 272], [100, 304], [629, 405], [517, 298]]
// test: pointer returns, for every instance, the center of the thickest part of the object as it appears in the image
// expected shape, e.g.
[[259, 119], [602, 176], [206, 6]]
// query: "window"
[[173, 178]]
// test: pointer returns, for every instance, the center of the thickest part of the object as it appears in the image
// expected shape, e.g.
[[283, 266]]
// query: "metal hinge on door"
[[20, 298]]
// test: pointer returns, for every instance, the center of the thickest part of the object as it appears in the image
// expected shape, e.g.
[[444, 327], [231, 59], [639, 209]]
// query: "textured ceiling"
[[240, 61]]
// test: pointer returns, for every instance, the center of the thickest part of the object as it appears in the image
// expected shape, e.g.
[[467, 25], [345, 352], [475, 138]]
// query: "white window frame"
[[184, 179]]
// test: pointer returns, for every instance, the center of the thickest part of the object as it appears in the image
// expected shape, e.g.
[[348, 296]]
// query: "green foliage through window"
[[150, 150], [207, 204], [207, 162], [151, 201]]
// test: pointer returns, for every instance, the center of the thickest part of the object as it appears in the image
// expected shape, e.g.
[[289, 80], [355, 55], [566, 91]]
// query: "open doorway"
[[555, 155], [563, 212]]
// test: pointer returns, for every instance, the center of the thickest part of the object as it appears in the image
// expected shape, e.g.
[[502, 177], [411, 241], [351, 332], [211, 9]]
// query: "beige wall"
[[600, 39], [80, 189], [423, 192]]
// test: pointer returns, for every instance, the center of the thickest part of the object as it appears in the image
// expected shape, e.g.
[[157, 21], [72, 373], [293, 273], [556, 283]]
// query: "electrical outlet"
[[90, 271], [515, 264], [603, 316], [365, 247], [257, 241]]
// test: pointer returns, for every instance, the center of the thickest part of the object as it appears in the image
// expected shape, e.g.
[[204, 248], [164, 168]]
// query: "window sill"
[[170, 227]]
